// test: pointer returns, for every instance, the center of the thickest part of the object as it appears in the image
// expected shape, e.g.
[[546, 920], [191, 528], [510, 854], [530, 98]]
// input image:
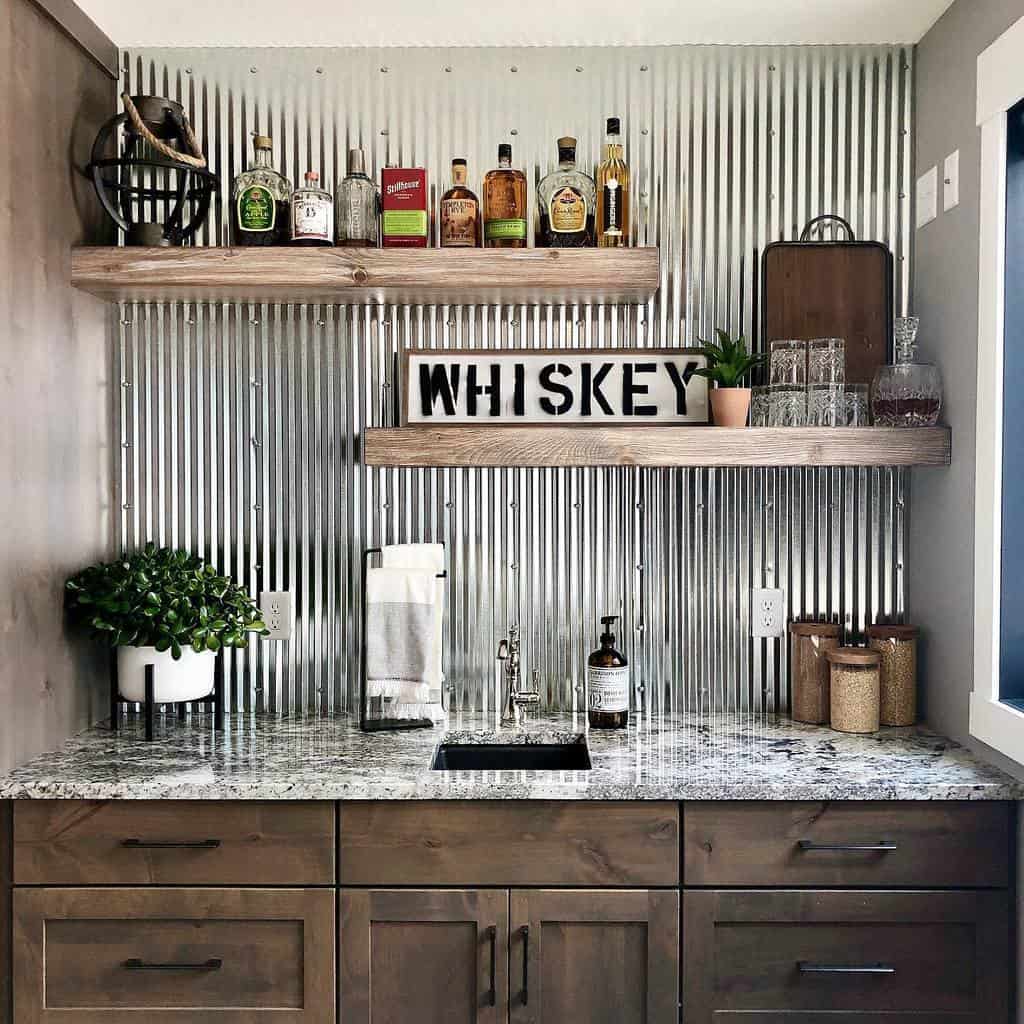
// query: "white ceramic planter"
[[188, 678]]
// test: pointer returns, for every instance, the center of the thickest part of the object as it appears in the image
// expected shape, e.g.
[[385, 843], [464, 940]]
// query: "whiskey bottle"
[[357, 205], [613, 192], [261, 200], [505, 204], [460, 212], [566, 199], [607, 683], [312, 213]]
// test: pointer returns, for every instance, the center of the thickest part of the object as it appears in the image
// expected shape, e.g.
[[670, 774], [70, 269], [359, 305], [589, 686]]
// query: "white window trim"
[[1000, 87]]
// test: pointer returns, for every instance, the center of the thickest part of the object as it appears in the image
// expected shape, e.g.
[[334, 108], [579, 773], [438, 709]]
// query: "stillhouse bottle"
[[607, 683]]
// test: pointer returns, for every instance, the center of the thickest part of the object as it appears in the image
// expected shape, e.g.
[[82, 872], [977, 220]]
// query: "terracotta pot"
[[729, 406]]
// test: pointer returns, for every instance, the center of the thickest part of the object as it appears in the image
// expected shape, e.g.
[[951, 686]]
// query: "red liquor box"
[[403, 207]]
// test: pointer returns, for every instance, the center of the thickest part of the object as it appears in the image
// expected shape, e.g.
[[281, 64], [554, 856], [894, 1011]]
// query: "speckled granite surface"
[[674, 758]]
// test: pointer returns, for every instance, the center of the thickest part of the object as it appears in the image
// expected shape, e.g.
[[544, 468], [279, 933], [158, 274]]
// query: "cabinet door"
[[436, 957], [594, 957]]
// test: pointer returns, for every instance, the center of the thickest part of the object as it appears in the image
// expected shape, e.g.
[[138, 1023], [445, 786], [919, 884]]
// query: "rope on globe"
[[196, 160]]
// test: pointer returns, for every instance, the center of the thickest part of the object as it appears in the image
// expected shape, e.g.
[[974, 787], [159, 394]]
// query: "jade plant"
[[162, 598], [729, 362]]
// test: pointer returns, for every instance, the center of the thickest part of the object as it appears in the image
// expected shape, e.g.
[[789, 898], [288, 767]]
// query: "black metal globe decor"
[[159, 179]]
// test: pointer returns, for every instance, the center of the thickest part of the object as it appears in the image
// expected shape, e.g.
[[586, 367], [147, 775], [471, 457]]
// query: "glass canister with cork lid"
[[809, 670], [896, 644], [854, 685]]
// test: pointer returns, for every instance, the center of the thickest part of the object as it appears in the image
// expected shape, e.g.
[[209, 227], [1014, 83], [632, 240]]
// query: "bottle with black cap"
[[607, 683], [613, 192]]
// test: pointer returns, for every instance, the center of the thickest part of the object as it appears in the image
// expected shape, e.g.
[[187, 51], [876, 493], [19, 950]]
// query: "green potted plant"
[[729, 364], [164, 608]]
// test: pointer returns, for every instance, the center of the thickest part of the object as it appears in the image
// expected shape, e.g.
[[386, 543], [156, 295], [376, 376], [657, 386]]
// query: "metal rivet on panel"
[[643, 67], [578, 69], [385, 504], [448, 69], [256, 383], [383, 131], [319, 71], [256, 443], [513, 69], [383, 69], [188, 71], [512, 504], [771, 67], [644, 131], [514, 566], [252, 70], [127, 505], [513, 323], [257, 567], [254, 322], [126, 444], [321, 323], [449, 504], [515, 131], [126, 383], [126, 323], [899, 567], [256, 508], [576, 504]]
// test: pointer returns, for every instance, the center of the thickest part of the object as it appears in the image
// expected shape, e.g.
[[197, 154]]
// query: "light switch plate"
[[278, 613], [767, 612], [927, 197], [951, 181]]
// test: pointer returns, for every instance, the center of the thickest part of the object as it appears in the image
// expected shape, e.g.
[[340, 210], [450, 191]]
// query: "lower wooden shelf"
[[655, 446]]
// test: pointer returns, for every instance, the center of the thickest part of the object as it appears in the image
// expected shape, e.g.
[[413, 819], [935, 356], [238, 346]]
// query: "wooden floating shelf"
[[353, 276], [655, 446]]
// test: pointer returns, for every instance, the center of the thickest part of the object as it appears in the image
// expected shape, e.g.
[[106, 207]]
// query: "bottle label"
[[256, 209], [458, 223], [405, 223], [508, 227], [567, 211], [608, 688], [311, 218], [611, 214]]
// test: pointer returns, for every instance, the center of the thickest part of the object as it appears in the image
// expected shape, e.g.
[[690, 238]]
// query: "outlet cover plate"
[[767, 612], [278, 613]]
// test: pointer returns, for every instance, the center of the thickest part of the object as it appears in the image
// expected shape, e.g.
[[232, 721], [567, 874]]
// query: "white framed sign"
[[567, 387]]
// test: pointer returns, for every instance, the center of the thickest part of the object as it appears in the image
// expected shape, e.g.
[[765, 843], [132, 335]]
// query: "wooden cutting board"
[[831, 289]]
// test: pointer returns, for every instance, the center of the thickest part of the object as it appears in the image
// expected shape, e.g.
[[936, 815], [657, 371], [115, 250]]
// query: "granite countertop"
[[675, 757]]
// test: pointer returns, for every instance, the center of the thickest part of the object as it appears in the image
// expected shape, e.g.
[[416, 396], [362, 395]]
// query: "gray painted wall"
[[941, 544], [54, 382]]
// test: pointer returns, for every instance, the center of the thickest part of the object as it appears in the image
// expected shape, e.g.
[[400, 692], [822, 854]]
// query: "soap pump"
[[607, 682]]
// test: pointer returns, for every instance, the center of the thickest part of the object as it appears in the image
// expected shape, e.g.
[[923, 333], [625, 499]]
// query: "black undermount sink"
[[515, 757]]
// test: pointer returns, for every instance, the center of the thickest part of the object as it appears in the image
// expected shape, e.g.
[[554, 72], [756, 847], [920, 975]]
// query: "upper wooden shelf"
[[655, 446], [340, 276]]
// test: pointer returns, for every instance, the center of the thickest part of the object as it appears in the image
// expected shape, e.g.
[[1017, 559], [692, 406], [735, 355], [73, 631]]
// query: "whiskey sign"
[[555, 386]]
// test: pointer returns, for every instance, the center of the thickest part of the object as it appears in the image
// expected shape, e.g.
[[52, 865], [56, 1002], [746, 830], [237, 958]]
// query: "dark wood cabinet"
[[594, 956], [775, 956], [436, 957]]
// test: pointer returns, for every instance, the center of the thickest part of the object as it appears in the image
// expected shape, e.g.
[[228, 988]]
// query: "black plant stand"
[[149, 705]]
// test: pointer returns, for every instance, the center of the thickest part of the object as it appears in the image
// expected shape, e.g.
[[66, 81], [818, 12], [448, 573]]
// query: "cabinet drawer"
[[917, 845], [118, 955], [774, 956], [171, 842], [463, 843]]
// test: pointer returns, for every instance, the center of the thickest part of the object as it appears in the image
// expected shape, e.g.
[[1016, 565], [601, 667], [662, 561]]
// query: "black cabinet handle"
[[185, 844], [805, 967], [492, 935], [882, 846], [526, 963], [213, 964]]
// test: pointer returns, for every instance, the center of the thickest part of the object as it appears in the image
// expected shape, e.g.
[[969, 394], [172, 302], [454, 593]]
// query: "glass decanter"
[[908, 393]]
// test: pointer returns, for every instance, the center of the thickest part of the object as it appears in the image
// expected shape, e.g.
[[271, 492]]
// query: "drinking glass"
[[788, 363], [759, 404], [857, 406], [826, 405], [787, 406], [826, 361]]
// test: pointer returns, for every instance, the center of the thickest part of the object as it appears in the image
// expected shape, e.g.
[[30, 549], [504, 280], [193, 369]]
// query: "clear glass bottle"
[[613, 193], [312, 213], [908, 393], [357, 205], [505, 204], [261, 200], [460, 212], [566, 202]]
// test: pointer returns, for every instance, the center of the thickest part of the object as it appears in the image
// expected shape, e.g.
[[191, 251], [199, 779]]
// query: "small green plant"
[[162, 598], [729, 362]]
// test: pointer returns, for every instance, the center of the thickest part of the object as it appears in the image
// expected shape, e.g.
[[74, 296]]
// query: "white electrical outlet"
[[278, 613], [767, 614]]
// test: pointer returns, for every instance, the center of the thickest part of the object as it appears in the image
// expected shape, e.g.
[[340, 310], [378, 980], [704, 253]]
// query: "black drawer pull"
[[185, 844], [526, 963], [213, 964], [492, 996], [883, 846], [805, 967]]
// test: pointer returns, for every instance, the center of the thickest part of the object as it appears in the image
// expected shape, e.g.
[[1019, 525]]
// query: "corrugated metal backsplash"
[[240, 423]]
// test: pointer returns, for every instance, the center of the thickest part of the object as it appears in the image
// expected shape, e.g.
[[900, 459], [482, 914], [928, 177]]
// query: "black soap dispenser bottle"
[[607, 683]]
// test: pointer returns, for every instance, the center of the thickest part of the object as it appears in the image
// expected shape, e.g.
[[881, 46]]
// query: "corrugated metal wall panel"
[[240, 423]]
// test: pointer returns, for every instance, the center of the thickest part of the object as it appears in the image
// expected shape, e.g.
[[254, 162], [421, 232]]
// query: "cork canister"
[[897, 646], [809, 670], [854, 684]]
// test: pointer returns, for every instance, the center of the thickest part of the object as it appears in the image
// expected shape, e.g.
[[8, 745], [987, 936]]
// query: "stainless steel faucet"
[[515, 698]]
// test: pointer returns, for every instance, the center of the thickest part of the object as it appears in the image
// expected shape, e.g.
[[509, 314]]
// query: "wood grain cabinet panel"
[[433, 957], [600, 957], [846, 957], [509, 843], [173, 842], [113, 956], [847, 843]]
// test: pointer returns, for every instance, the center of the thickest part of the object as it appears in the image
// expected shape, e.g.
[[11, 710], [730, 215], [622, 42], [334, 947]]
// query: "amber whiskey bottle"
[[613, 192], [607, 683], [505, 204], [460, 212]]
